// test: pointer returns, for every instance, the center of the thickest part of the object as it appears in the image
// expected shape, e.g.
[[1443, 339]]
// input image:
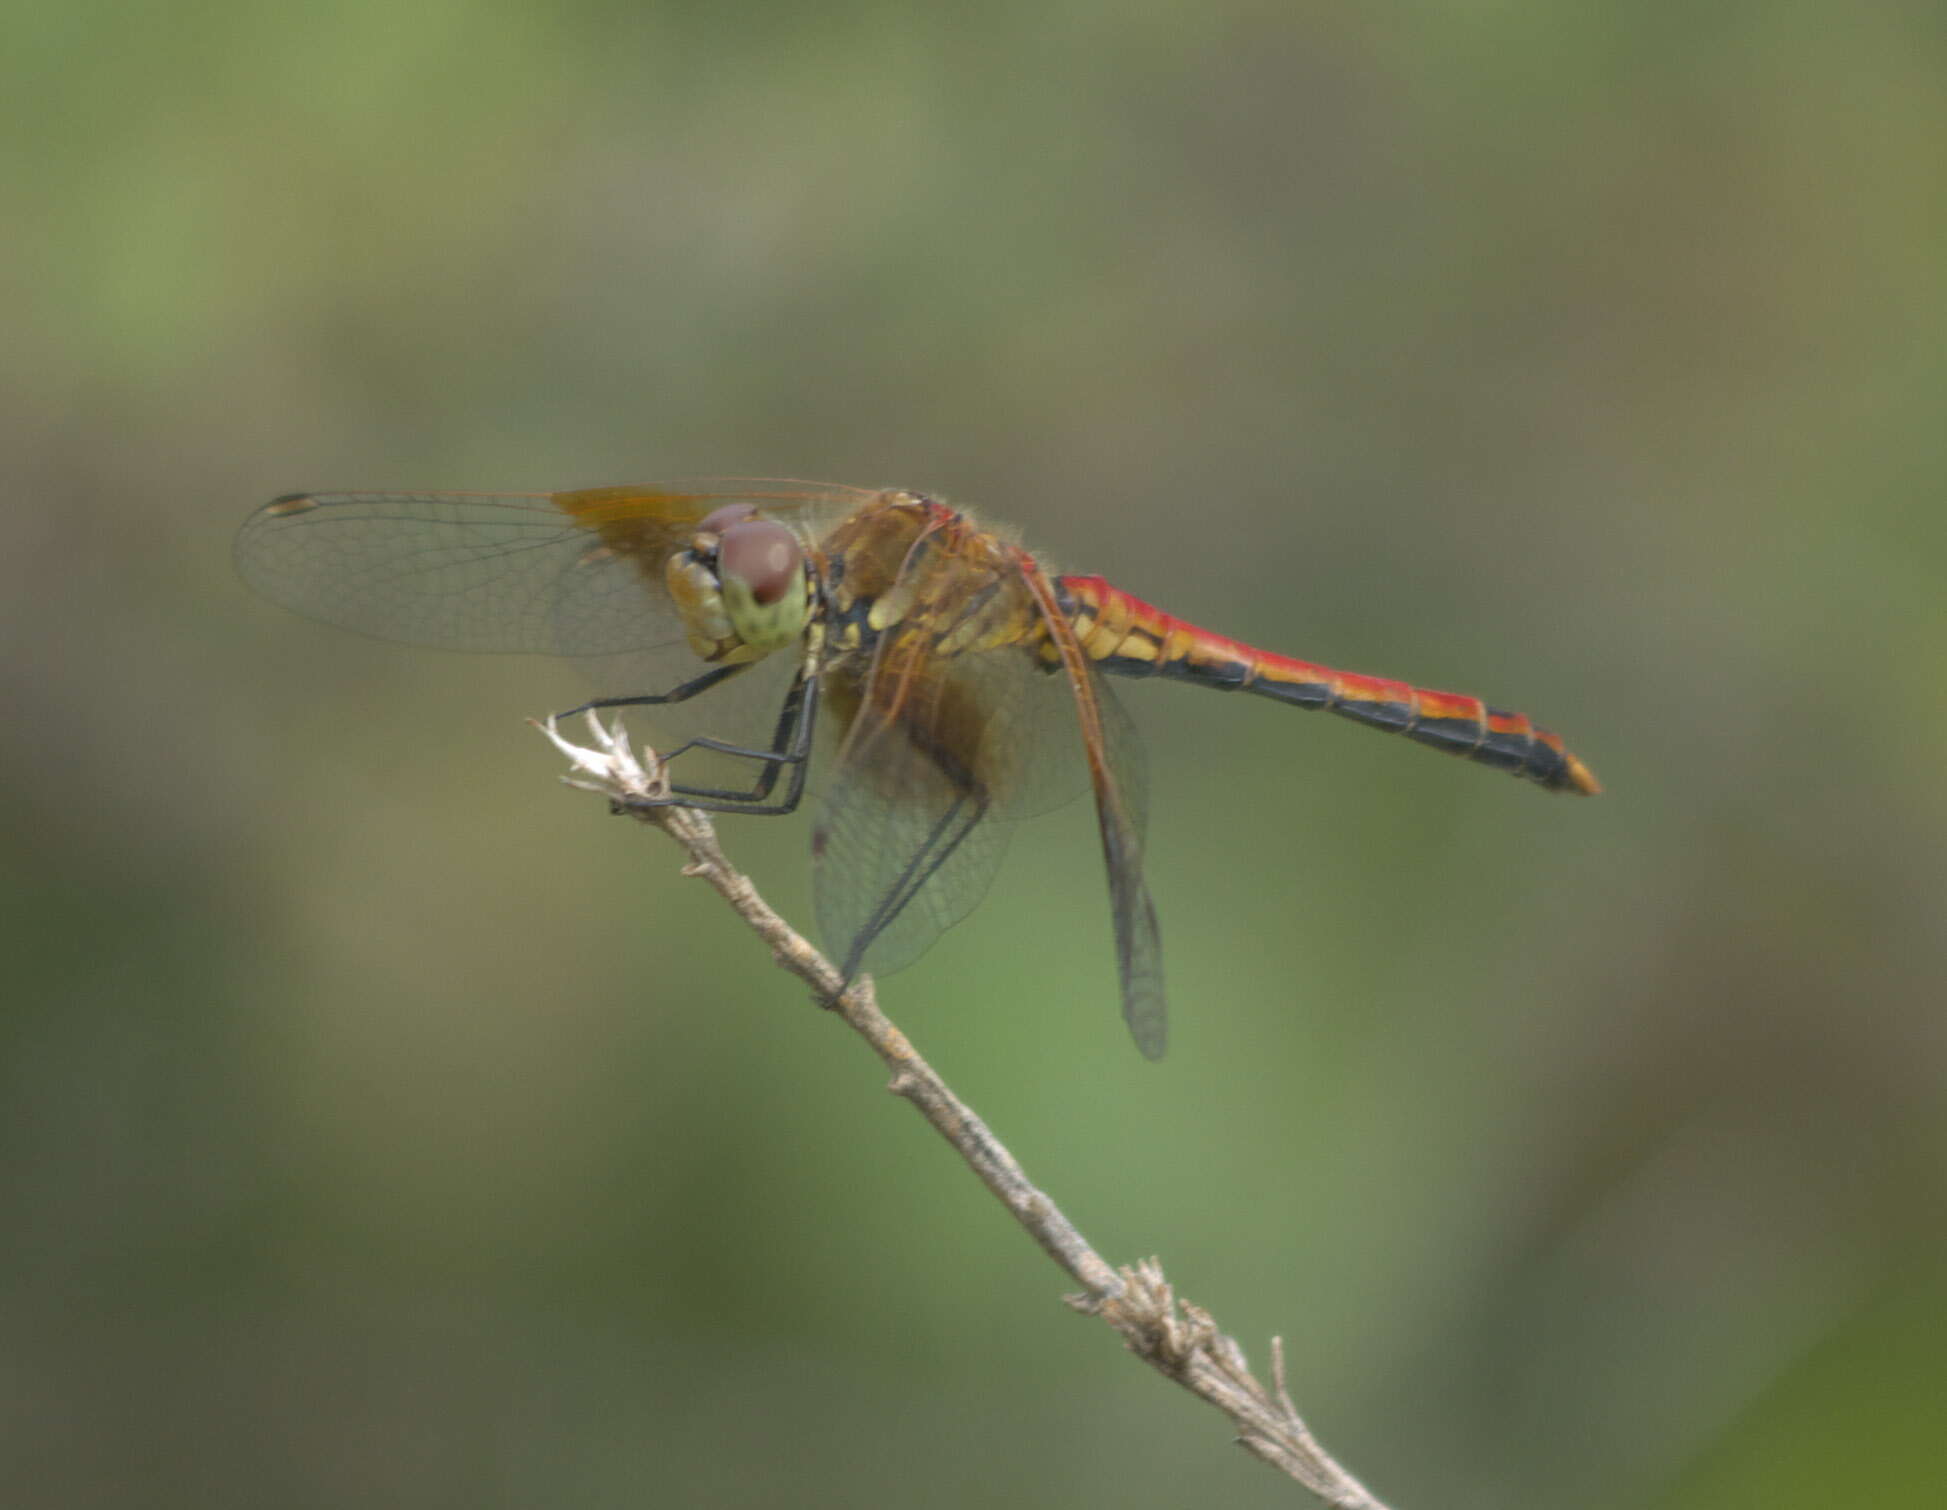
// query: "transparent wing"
[[911, 833], [577, 574], [1122, 812], [945, 750], [1119, 773], [547, 573], [940, 753]]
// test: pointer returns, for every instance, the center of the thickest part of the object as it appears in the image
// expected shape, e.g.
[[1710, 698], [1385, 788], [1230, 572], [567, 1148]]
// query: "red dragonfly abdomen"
[[1128, 637]]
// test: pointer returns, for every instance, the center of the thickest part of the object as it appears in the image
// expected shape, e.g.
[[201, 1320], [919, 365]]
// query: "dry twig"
[[1173, 1336]]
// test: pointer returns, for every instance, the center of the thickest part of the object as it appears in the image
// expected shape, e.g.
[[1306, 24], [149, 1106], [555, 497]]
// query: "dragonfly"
[[956, 679]]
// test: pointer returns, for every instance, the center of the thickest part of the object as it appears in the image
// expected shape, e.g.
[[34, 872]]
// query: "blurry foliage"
[[382, 1125]]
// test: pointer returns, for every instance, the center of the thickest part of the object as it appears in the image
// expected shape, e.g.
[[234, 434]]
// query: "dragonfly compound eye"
[[760, 575], [720, 519], [764, 557]]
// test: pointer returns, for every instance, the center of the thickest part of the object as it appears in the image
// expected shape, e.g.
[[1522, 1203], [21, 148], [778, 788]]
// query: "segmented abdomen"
[[1128, 637]]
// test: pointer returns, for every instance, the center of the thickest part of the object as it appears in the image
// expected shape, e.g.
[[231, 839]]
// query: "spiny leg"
[[790, 743], [714, 677], [790, 746]]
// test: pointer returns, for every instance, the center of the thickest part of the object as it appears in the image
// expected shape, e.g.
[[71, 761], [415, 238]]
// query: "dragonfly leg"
[[791, 744], [714, 677], [790, 750]]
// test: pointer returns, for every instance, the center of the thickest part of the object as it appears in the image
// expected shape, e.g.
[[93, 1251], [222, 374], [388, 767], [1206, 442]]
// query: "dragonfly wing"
[[460, 571], [1119, 773], [891, 878], [1122, 812], [943, 749], [576, 574], [912, 831]]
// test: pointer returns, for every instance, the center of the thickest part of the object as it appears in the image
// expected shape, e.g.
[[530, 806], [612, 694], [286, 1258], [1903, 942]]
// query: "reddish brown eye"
[[761, 554], [720, 519]]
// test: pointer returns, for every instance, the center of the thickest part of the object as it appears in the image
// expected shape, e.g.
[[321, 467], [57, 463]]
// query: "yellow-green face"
[[741, 586]]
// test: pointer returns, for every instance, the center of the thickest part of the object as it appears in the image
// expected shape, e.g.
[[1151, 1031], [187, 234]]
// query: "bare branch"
[[1173, 1336]]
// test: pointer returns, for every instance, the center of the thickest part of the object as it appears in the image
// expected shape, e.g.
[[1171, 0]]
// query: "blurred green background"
[[384, 1125]]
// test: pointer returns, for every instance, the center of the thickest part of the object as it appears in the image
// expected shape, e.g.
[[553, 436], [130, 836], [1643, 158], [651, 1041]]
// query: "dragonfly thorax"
[[742, 587]]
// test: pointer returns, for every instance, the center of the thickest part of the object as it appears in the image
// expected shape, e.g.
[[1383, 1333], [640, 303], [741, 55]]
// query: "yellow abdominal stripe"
[[1137, 645]]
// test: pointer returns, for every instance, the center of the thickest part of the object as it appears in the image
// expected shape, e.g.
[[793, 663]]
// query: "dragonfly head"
[[741, 586]]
